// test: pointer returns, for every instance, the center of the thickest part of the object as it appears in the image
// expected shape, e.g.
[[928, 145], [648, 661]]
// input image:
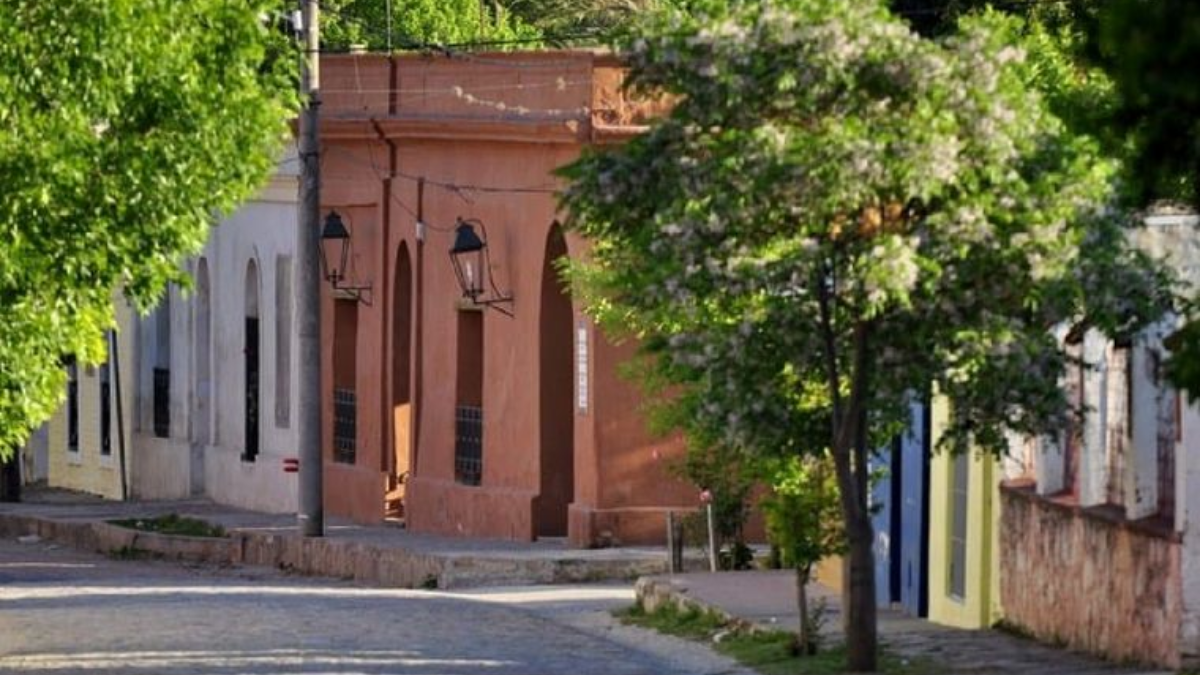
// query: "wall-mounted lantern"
[[335, 255], [471, 261]]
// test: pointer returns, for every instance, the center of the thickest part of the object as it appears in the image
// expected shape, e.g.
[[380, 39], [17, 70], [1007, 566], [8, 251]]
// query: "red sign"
[[291, 465]]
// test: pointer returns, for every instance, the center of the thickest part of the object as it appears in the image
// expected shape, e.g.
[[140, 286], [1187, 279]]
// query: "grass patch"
[[173, 523], [671, 619], [768, 652]]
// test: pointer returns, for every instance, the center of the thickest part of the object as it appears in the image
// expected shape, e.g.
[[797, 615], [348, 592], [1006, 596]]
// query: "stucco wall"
[[262, 230], [478, 123], [203, 453], [980, 605], [87, 470], [1099, 585]]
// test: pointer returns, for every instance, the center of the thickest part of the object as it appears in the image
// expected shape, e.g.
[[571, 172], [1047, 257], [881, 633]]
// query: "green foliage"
[[803, 513], [768, 652], [771, 653], [904, 177], [173, 523], [1151, 50], [671, 619], [416, 23], [839, 212], [728, 478], [126, 128], [573, 17]]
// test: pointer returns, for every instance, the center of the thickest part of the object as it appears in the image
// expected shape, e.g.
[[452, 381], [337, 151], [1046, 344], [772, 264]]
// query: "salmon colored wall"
[[490, 122]]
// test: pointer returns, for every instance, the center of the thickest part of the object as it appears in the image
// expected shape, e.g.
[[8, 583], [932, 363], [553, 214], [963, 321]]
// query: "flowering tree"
[[837, 213]]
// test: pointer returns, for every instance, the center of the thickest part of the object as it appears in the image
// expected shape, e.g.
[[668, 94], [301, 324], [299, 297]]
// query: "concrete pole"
[[308, 283]]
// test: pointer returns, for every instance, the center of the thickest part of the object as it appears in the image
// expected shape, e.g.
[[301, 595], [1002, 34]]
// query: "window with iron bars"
[[344, 425], [72, 406], [105, 411], [162, 402], [468, 445]]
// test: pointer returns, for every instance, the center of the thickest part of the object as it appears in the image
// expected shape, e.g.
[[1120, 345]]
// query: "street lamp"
[[471, 261], [335, 253]]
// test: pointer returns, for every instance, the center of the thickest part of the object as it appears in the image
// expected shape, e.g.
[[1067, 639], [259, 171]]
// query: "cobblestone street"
[[63, 612]]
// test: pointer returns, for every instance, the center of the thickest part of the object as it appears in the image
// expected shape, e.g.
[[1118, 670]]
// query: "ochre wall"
[[492, 121], [1071, 576], [980, 607], [87, 470]]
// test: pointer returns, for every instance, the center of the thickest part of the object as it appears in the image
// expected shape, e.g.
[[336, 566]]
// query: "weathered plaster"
[[1095, 584]]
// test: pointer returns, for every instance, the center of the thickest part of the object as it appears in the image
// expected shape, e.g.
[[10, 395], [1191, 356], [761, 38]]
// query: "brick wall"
[[1088, 580]]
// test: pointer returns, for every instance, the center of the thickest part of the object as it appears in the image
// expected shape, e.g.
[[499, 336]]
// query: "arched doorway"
[[397, 462], [557, 412], [201, 412]]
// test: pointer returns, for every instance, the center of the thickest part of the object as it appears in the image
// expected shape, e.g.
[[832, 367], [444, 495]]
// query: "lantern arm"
[[335, 232], [468, 243]]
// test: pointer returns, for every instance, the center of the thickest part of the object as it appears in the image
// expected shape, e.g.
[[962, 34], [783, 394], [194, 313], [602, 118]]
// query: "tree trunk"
[[859, 616], [848, 442], [806, 642]]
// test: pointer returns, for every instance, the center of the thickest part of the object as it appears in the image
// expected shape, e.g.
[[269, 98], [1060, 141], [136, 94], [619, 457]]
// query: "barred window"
[[345, 378], [72, 405], [468, 445], [345, 425], [468, 419]]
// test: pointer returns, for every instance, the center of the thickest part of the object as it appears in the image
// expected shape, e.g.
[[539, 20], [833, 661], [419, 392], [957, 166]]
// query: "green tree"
[[837, 213], [804, 523], [575, 17], [419, 23], [126, 128], [1150, 49]]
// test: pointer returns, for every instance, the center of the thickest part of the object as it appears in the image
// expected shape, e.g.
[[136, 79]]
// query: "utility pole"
[[308, 282]]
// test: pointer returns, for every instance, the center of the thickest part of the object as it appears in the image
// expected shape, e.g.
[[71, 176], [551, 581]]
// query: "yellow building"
[[86, 450], [964, 517]]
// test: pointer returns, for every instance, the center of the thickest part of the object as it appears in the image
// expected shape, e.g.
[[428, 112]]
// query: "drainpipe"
[[114, 353], [418, 393], [387, 449]]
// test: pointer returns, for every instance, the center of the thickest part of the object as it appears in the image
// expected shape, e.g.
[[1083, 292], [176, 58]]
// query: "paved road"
[[64, 612]]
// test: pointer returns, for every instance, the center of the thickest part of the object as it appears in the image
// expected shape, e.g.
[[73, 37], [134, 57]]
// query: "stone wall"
[[1088, 580]]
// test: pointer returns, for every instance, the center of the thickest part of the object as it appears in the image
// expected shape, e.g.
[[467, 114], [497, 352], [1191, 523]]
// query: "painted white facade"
[[1133, 420], [246, 269]]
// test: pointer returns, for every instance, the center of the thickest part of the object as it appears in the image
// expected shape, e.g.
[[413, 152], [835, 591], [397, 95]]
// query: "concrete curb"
[[328, 557]]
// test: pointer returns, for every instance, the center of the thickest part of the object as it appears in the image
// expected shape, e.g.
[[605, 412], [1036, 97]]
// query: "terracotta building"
[[501, 415]]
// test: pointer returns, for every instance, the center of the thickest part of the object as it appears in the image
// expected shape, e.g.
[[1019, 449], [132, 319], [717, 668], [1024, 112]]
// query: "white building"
[[215, 366], [1100, 537]]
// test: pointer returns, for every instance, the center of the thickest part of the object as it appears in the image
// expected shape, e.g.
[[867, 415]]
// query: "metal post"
[[308, 282], [712, 538], [114, 351], [671, 569]]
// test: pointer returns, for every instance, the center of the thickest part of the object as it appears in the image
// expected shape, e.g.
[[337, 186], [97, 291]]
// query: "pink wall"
[[1094, 583], [497, 120]]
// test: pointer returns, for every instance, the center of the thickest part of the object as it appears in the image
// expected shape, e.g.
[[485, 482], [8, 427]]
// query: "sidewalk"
[[767, 600], [385, 555]]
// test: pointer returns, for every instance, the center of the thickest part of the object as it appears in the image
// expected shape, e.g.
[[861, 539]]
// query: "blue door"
[[900, 515], [886, 544], [914, 514]]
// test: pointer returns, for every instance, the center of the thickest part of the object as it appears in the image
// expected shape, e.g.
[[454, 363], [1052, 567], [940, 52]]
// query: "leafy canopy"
[[925, 185], [838, 213], [126, 128], [416, 23], [421, 23]]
